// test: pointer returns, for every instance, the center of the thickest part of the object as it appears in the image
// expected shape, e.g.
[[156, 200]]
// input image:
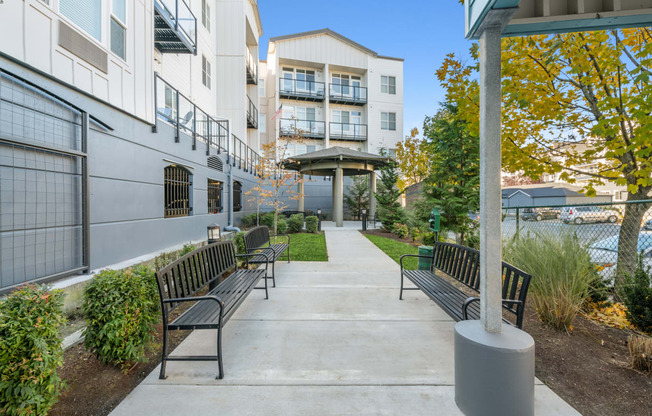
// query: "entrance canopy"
[[338, 162]]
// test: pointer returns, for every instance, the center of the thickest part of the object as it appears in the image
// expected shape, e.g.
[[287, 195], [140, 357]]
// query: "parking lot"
[[588, 233]]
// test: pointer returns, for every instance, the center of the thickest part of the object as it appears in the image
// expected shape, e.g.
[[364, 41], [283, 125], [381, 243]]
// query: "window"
[[205, 72], [262, 123], [387, 84], [388, 121], [237, 196], [178, 192], [261, 87], [214, 196], [118, 27], [87, 14], [206, 14]]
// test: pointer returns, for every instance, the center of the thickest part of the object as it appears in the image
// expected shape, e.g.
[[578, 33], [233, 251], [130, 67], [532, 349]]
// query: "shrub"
[[281, 226], [637, 296], [640, 351], [562, 274], [121, 308], [238, 240], [312, 224], [400, 230], [164, 259], [187, 248], [30, 350], [267, 219], [250, 220], [295, 225]]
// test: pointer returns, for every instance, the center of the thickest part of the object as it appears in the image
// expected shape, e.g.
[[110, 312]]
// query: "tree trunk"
[[628, 237]]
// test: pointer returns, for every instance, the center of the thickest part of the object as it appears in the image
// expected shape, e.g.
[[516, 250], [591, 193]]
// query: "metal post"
[[518, 221], [490, 181], [177, 137], [86, 213], [338, 208], [364, 221], [301, 196], [372, 195], [194, 127]]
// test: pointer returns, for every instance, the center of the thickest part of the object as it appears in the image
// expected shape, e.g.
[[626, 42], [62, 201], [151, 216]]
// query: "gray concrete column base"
[[494, 373]]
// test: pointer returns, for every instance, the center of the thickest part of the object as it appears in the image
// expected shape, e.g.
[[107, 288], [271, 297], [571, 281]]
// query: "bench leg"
[[400, 296], [164, 354], [219, 352], [273, 274]]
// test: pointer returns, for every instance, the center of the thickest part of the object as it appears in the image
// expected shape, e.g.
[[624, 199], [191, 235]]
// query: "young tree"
[[573, 100], [519, 179], [454, 181], [413, 159], [357, 195], [275, 185], [390, 210]]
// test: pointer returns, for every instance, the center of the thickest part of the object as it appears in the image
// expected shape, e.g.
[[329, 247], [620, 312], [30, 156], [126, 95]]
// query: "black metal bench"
[[182, 281], [463, 264], [257, 241]]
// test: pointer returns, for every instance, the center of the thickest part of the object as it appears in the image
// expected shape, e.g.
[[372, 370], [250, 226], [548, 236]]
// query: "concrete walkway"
[[333, 339]]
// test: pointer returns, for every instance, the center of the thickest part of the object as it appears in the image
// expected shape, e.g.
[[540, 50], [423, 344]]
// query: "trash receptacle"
[[424, 264]]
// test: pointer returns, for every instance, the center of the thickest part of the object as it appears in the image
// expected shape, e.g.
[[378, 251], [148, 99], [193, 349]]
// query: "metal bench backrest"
[[463, 264], [193, 272], [256, 237]]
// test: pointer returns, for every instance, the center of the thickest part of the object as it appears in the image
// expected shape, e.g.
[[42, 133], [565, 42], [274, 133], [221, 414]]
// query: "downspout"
[[230, 226]]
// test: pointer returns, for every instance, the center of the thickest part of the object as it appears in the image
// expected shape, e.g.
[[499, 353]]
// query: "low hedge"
[[295, 224], [312, 224], [30, 350], [121, 310]]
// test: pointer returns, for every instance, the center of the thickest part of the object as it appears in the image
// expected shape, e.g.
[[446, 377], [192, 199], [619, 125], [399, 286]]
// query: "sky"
[[420, 31]]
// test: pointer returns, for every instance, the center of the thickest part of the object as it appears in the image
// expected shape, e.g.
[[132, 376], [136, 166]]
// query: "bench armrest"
[[253, 255], [469, 301], [196, 299], [412, 255]]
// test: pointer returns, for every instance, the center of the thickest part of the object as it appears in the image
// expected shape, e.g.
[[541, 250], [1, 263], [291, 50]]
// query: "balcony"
[[252, 68], [252, 114], [174, 108], [347, 94], [307, 129], [301, 90], [175, 27], [348, 131], [243, 156]]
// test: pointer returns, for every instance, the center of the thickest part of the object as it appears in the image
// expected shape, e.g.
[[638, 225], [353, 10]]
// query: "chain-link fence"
[[612, 232]]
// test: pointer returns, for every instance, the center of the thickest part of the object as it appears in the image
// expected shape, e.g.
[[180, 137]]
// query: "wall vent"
[[216, 163]]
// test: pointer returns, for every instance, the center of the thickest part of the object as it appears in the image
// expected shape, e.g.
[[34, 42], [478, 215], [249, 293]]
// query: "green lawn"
[[308, 247], [395, 249]]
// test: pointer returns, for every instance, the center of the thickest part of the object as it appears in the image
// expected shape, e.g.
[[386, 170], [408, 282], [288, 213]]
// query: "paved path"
[[333, 339]]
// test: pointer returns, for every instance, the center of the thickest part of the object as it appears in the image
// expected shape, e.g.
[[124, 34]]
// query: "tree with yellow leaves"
[[570, 100], [413, 160]]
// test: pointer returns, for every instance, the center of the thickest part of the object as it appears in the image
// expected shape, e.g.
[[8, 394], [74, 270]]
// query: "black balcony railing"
[[301, 90], [252, 68], [175, 27], [347, 94], [252, 114], [308, 129], [176, 109], [243, 156], [348, 131]]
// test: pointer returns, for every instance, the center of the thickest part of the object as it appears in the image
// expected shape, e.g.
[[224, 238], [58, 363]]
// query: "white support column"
[[327, 111], [372, 198], [300, 192], [338, 198], [490, 183]]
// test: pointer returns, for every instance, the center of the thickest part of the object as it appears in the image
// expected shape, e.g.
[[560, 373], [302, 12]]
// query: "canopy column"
[[372, 195], [300, 193], [338, 198]]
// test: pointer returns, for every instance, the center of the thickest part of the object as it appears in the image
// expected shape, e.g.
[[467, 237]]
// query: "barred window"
[[237, 196], [178, 192], [214, 196]]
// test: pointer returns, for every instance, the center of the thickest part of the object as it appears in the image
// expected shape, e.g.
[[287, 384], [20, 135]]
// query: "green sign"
[[434, 220]]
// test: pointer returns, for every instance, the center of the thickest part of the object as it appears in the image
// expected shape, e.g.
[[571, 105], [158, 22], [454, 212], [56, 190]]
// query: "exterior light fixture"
[[214, 233]]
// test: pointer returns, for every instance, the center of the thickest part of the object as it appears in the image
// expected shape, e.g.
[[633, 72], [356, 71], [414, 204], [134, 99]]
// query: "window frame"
[[206, 15], [80, 28], [238, 192], [175, 187], [386, 124], [262, 122], [214, 185], [261, 87], [123, 26], [206, 72], [386, 84]]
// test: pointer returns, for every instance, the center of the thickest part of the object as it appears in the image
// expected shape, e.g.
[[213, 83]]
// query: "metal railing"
[[252, 114], [242, 156], [176, 109], [179, 16], [349, 94], [305, 128], [301, 89], [348, 131], [598, 226], [252, 68]]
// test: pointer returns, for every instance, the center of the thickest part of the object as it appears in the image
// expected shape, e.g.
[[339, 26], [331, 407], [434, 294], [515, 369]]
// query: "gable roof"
[[335, 153], [336, 35], [545, 190]]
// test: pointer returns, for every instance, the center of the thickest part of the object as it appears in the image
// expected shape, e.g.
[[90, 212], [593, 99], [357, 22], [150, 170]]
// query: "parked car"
[[475, 219], [647, 225], [604, 253], [579, 215], [538, 214]]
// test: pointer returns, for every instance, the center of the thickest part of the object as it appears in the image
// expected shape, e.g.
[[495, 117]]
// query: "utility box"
[[424, 264], [434, 220]]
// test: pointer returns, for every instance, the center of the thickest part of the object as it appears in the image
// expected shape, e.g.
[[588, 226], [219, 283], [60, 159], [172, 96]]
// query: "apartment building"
[[126, 128], [334, 92]]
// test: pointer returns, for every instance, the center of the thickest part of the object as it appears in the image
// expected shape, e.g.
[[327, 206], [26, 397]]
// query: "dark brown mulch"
[[386, 234], [95, 389]]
